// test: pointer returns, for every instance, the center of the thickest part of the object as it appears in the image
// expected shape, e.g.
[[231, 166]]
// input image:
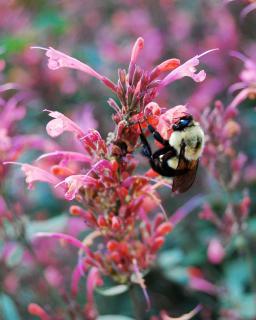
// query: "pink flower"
[[38, 311], [64, 157], [61, 124], [34, 174], [188, 69], [93, 280], [247, 85], [64, 238], [199, 283], [59, 59], [74, 183], [116, 203]]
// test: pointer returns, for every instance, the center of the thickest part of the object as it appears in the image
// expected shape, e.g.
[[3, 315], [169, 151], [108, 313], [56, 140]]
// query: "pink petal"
[[64, 157], [60, 124], [138, 46], [36, 310], [62, 236], [200, 284], [75, 182], [33, 141], [232, 107], [187, 69], [94, 144], [93, 280], [58, 59], [76, 276], [34, 174]]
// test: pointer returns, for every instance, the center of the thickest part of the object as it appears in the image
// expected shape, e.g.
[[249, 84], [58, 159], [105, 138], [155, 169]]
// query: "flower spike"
[[58, 59]]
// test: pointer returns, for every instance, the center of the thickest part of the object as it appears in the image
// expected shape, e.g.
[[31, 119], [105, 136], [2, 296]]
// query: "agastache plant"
[[122, 208]]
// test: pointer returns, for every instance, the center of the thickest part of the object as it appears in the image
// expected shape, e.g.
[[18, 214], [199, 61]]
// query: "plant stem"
[[134, 301]]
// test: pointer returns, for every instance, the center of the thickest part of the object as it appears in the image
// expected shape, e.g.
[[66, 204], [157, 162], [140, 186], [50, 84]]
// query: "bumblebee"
[[179, 156]]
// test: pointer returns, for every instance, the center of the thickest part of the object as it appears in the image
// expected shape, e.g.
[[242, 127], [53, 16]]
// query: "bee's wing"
[[184, 182]]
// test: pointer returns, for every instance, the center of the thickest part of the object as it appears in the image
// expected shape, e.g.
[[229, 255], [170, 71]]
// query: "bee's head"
[[183, 123]]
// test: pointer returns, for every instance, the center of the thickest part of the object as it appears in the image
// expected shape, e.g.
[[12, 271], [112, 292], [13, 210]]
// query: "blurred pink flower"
[[199, 283], [215, 251]]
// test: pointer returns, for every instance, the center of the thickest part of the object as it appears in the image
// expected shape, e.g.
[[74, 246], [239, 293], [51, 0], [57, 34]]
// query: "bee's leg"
[[156, 160], [159, 162], [164, 151], [157, 136], [146, 149]]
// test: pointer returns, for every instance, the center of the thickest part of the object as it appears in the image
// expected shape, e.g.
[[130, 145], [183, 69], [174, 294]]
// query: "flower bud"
[[215, 251], [157, 243], [61, 171], [164, 228], [101, 221], [115, 256], [36, 310], [116, 223], [112, 245]]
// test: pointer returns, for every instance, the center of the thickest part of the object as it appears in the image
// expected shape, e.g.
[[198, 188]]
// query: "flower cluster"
[[117, 204]]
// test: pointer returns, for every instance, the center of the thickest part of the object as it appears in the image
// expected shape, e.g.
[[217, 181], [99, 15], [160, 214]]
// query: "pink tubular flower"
[[12, 144], [247, 86], [34, 174], [135, 89], [38, 311], [93, 280], [199, 283], [93, 143], [188, 69], [64, 157], [138, 46], [61, 124], [64, 238], [59, 59]]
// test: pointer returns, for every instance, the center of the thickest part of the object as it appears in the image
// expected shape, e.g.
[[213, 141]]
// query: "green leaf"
[[56, 224], [51, 20], [237, 275], [12, 44], [170, 258], [8, 308], [246, 306], [113, 291]]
